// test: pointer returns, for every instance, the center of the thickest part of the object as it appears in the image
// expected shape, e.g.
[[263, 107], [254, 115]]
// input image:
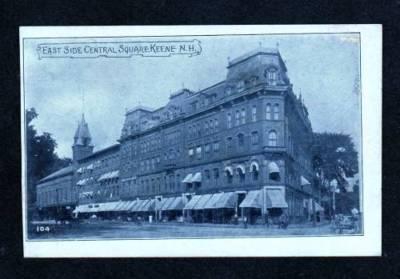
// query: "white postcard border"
[[368, 244]]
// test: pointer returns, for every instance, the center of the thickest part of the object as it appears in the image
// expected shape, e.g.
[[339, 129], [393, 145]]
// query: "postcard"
[[187, 141]]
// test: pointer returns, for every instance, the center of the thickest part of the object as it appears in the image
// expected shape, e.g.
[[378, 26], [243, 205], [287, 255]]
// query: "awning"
[[273, 167], [147, 206], [241, 168], [109, 175], [137, 205], [202, 201], [167, 203], [304, 181], [82, 182], [252, 200], [318, 207], [120, 205], [228, 169], [197, 177], [109, 206], [192, 202], [176, 204], [275, 198], [86, 194], [254, 166], [228, 200], [132, 204], [212, 201], [188, 178]]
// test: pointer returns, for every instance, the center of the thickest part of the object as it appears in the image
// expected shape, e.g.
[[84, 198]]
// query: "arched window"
[[241, 172], [272, 138], [268, 111], [274, 172], [240, 140], [276, 112], [254, 168], [229, 174]]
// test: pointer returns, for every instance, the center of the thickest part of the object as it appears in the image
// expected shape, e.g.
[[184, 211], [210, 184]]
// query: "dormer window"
[[271, 75]]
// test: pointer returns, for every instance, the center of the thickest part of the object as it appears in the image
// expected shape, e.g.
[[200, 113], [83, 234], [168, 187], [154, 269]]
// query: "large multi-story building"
[[238, 147]]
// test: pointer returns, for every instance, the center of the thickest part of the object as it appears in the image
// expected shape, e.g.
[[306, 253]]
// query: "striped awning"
[[227, 200], [109, 175], [213, 201], [202, 201], [252, 200], [304, 181], [137, 205], [148, 205], [188, 178], [192, 202], [275, 198], [197, 177], [176, 204], [167, 203]]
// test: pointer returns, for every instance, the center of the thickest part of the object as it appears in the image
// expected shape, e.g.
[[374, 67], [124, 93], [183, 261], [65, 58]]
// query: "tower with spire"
[[82, 146]]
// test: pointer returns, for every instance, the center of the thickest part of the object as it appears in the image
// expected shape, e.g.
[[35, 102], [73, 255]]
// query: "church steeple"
[[82, 146]]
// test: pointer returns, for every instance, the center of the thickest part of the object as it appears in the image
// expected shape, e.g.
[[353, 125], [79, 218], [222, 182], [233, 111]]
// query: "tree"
[[41, 157], [335, 158]]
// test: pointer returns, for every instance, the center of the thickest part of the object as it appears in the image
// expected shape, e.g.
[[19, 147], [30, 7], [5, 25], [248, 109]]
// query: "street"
[[126, 230]]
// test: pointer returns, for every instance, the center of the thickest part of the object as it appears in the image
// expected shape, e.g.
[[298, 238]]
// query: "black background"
[[162, 12]]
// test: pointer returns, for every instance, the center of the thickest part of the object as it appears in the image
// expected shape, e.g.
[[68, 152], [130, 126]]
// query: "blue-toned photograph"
[[193, 136]]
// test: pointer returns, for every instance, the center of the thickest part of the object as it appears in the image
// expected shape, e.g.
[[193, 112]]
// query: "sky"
[[323, 68]]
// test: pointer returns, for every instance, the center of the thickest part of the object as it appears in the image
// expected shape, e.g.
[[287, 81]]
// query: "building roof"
[[61, 172], [245, 56], [101, 151], [82, 132]]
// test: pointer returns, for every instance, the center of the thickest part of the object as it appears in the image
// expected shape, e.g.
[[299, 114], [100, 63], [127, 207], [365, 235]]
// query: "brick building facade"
[[246, 139]]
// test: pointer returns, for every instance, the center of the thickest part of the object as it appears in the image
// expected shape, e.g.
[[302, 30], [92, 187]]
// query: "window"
[[207, 148], [254, 171], [254, 113], [229, 142], [240, 140], [229, 177], [268, 111], [216, 146], [242, 175], [272, 138], [216, 124], [240, 86], [229, 120], [237, 118], [216, 174], [190, 152], [207, 174], [254, 137], [178, 182], [211, 125], [206, 126], [198, 152], [272, 76], [243, 116], [276, 112]]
